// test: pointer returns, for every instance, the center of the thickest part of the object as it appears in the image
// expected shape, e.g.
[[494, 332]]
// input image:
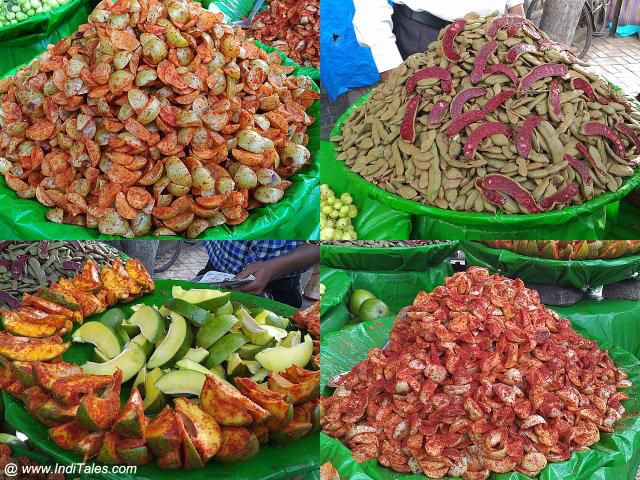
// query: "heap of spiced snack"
[[478, 377], [292, 26], [272, 398], [494, 116], [154, 116], [570, 250]]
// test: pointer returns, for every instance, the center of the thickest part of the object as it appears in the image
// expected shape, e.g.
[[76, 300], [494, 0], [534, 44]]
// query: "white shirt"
[[374, 28]]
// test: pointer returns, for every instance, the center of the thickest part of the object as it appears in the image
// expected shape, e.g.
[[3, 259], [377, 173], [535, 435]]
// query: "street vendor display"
[[292, 26], [570, 250], [245, 366], [493, 117], [477, 377], [154, 117]]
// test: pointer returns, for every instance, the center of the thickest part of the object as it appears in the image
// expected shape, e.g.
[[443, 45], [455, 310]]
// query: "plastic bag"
[[574, 273], [614, 457], [270, 464], [25, 218], [394, 275], [375, 221], [586, 221]]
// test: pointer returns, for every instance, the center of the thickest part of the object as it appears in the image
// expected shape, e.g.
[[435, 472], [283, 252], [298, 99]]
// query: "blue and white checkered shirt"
[[232, 256]]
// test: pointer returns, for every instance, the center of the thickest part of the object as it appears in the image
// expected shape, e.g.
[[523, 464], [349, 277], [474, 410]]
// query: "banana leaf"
[[271, 463], [25, 218], [574, 273], [614, 457]]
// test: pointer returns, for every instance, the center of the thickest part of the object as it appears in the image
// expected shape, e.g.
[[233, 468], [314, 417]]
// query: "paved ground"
[[616, 59], [193, 257]]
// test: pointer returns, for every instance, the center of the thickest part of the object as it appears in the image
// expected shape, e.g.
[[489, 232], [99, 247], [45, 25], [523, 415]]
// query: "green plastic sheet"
[[21, 42], [388, 258], [587, 221], [236, 10], [574, 273], [271, 463], [615, 322], [614, 457], [24, 219], [375, 220], [394, 275]]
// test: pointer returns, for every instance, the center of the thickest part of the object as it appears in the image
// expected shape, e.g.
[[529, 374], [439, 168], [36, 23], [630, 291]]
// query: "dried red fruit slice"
[[585, 152], [437, 111], [504, 69], [504, 21], [578, 83], [542, 71], [561, 196], [408, 127], [497, 100], [514, 52], [464, 120], [480, 133], [628, 131], [508, 186], [429, 72], [523, 137], [553, 102], [449, 36], [602, 130], [481, 59], [462, 97]]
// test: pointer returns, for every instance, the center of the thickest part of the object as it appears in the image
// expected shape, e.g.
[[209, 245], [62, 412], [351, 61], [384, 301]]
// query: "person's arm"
[[302, 257], [374, 29], [516, 7]]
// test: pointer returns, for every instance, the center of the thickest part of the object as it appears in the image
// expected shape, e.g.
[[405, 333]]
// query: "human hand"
[[264, 273], [384, 76]]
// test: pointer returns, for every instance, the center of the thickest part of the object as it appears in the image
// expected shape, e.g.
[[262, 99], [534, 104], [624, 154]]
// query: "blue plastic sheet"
[[344, 63]]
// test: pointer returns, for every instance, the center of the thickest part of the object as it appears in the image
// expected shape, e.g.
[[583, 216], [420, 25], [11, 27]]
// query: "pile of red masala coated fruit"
[[293, 26], [478, 377], [154, 116]]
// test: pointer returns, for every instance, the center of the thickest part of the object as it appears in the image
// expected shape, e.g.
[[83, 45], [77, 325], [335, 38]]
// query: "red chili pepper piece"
[[585, 152], [561, 196], [464, 120], [514, 52], [497, 100], [504, 21], [428, 72], [600, 129], [481, 60], [508, 186], [580, 167], [449, 36], [523, 137], [483, 131], [408, 127], [578, 83], [501, 68], [542, 71], [626, 130], [467, 94], [554, 101], [437, 111], [492, 196]]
